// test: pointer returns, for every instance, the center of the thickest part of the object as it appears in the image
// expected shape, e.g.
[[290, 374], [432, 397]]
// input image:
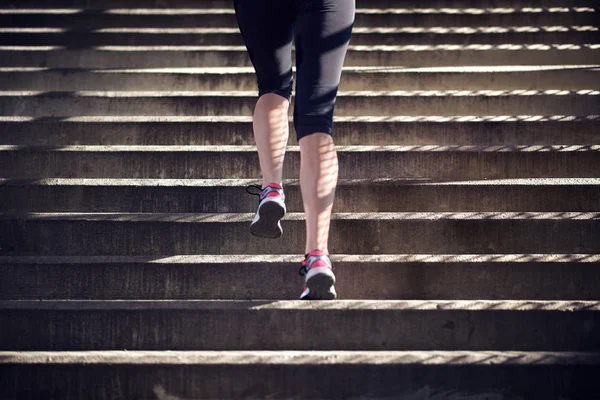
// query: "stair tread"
[[340, 149], [286, 258], [339, 305], [351, 48], [391, 10], [141, 182], [441, 30], [348, 69], [355, 93], [459, 119], [301, 357], [245, 217]]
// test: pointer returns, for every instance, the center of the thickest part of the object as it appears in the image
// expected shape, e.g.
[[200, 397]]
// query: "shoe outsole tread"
[[267, 225], [320, 286]]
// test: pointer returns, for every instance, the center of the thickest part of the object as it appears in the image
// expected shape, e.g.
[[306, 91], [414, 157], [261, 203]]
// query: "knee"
[[307, 129], [280, 85], [315, 142], [272, 102]]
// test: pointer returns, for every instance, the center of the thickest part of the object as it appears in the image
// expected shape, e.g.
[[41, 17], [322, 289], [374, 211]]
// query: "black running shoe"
[[271, 208], [319, 278]]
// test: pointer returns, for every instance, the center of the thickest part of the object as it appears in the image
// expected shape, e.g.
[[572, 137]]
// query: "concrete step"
[[249, 325], [418, 130], [365, 17], [354, 103], [274, 277], [226, 4], [565, 77], [356, 162], [360, 36], [351, 233], [237, 56], [296, 374], [352, 195]]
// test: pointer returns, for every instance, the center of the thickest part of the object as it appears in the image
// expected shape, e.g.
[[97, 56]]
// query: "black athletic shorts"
[[321, 31]]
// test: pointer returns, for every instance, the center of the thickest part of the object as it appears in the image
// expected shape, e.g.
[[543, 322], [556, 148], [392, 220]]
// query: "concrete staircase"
[[466, 235]]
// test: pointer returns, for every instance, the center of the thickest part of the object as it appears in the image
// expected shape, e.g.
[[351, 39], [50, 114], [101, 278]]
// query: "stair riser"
[[345, 133], [90, 19], [236, 58], [251, 381], [137, 237], [87, 39], [63, 104], [248, 329], [280, 281], [569, 79], [363, 198], [353, 165]]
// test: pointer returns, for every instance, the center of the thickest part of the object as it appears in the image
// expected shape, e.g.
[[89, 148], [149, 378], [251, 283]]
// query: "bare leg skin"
[[318, 180], [271, 130]]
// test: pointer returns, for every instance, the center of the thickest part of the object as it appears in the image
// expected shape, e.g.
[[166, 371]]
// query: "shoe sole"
[[268, 226], [319, 285]]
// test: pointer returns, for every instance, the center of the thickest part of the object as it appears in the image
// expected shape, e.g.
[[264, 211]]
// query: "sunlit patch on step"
[[469, 258], [313, 357], [476, 11], [169, 11], [241, 183], [341, 305], [475, 30], [469, 118], [471, 305], [293, 258], [475, 47], [180, 31], [245, 217]]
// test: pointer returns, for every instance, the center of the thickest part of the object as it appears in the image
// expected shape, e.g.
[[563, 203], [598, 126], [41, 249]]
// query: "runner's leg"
[[267, 29], [322, 33]]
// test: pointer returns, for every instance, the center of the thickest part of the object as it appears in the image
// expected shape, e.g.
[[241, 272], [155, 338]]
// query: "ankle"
[[317, 252], [274, 185]]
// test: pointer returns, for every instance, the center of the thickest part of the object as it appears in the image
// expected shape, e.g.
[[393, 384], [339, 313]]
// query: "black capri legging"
[[321, 30]]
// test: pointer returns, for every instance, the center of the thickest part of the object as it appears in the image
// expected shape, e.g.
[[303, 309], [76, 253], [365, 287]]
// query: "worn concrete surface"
[[358, 233], [353, 103], [219, 79], [283, 375], [242, 277], [353, 195], [201, 162], [234, 325], [230, 130], [204, 56], [232, 37], [225, 4], [220, 18]]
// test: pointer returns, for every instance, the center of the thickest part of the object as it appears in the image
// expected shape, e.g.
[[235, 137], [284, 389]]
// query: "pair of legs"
[[321, 31]]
